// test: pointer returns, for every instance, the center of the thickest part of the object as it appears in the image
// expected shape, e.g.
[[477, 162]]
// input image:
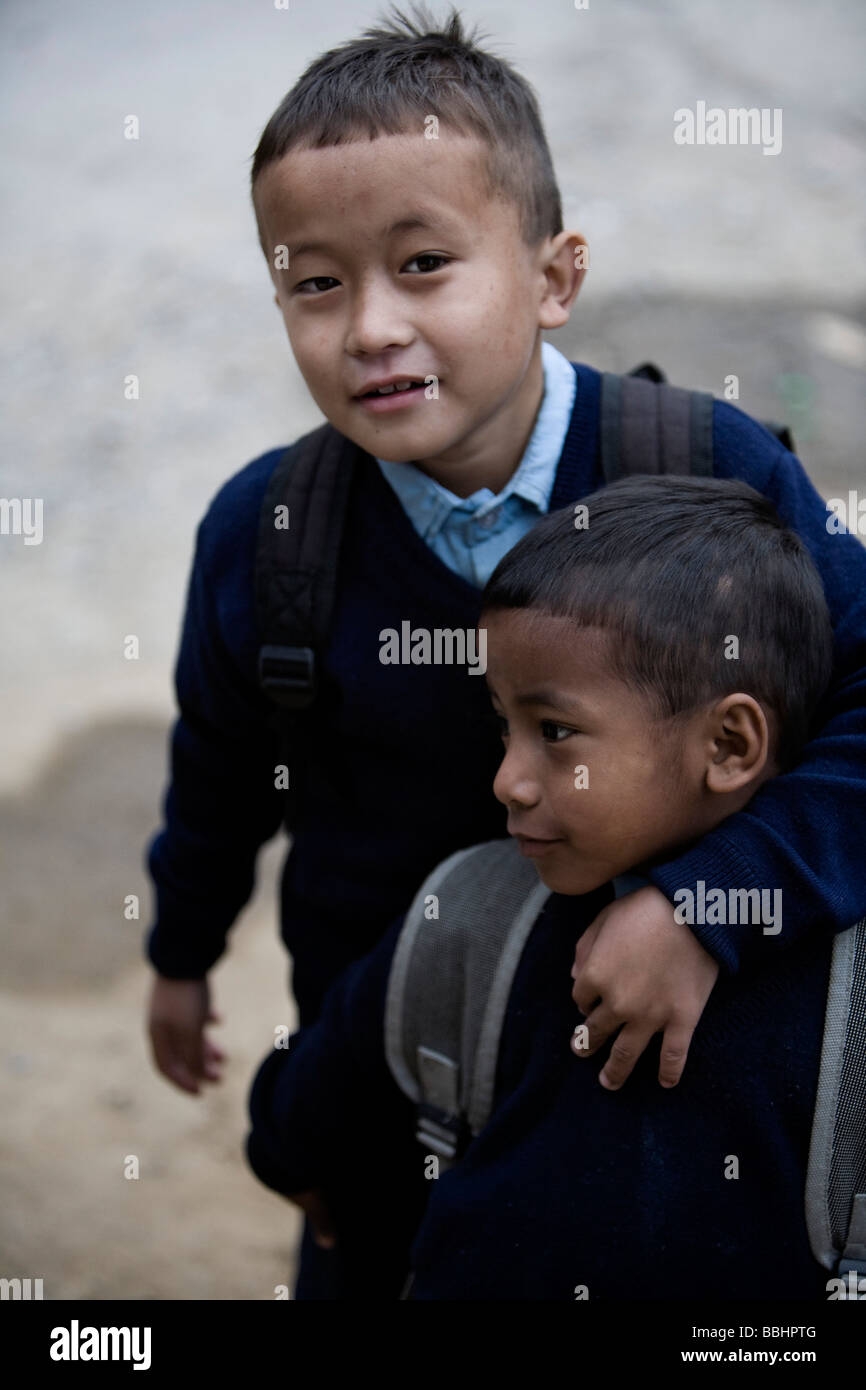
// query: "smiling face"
[[403, 268], [562, 709]]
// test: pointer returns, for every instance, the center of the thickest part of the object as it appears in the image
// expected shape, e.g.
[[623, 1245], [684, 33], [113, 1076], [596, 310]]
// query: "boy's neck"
[[493, 452]]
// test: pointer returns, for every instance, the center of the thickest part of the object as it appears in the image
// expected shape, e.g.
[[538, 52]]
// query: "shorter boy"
[[649, 671]]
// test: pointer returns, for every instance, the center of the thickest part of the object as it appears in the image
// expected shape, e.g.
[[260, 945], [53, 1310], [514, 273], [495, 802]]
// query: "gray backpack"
[[448, 991]]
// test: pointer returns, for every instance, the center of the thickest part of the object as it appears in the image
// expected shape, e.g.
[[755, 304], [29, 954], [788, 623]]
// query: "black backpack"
[[645, 426]]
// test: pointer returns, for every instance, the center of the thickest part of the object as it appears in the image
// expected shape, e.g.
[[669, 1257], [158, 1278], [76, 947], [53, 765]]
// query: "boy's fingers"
[[191, 1051], [163, 1052], [182, 1077], [213, 1060], [172, 1066], [587, 995], [183, 1064], [675, 1050], [177, 1056], [583, 948], [624, 1053], [596, 1028]]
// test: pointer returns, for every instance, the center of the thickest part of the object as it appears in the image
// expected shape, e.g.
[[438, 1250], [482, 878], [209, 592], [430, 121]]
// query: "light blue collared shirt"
[[471, 534]]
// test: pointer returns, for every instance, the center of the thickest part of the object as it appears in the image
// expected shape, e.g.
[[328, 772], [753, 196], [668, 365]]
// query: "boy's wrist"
[[713, 863], [178, 957], [182, 979]]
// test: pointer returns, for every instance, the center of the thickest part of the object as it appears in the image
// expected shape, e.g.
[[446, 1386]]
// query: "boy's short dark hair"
[[405, 69], [673, 568]]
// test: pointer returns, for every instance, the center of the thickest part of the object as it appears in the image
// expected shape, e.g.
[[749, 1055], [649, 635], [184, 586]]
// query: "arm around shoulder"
[[801, 835]]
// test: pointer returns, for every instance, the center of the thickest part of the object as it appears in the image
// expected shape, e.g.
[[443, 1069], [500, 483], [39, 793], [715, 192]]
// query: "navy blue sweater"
[[405, 756], [624, 1193]]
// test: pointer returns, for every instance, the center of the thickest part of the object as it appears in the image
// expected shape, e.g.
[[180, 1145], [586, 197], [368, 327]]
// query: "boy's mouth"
[[534, 848], [390, 393]]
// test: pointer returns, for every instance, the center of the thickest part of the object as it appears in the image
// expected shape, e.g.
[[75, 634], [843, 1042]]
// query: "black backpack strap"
[[648, 426], [782, 433], [301, 527], [300, 532]]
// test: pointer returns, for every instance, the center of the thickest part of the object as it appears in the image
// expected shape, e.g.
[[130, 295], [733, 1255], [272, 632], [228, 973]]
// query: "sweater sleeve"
[[316, 1105], [803, 831], [222, 803]]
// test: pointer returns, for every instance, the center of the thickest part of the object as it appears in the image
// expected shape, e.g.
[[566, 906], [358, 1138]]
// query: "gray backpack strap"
[[449, 985], [647, 426], [836, 1182]]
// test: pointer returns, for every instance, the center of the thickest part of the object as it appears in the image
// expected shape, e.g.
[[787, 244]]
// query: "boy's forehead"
[[390, 182], [530, 647]]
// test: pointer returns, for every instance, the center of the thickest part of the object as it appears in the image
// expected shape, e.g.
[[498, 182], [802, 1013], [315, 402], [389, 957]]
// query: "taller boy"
[[411, 221]]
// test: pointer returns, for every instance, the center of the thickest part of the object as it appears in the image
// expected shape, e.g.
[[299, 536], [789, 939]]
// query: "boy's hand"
[[638, 969], [179, 1010], [315, 1208]]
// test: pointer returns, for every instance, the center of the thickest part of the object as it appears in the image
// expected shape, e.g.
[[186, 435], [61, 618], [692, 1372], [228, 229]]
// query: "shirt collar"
[[430, 504]]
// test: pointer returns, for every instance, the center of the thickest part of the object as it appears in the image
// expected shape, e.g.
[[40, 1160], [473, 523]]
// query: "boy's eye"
[[317, 284], [554, 733], [426, 263], [423, 262], [550, 731]]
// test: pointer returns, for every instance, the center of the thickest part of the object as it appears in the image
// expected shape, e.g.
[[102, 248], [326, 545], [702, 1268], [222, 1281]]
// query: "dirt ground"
[[77, 1089]]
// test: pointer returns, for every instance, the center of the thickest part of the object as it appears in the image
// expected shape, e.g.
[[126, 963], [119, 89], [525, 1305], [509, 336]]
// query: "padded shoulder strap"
[[300, 531], [836, 1182], [647, 426], [450, 980]]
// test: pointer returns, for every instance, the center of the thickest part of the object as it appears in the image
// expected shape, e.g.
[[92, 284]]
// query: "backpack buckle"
[[287, 675], [443, 1134]]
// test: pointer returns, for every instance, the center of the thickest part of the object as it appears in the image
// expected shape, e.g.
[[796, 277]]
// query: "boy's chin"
[[570, 880], [400, 451], [400, 443]]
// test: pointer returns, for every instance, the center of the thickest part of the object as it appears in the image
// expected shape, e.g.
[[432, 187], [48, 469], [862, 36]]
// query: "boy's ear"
[[565, 262], [738, 745]]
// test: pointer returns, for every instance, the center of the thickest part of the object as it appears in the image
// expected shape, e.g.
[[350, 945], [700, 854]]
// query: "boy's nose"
[[514, 785], [378, 322]]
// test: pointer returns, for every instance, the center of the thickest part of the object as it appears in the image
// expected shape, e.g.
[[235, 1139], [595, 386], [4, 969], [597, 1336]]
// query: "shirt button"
[[486, 523]]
